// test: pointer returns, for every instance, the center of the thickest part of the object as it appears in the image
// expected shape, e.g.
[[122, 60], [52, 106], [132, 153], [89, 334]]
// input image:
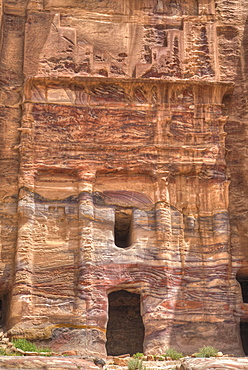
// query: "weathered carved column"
[[12, 20], [86, 215], [163, 219], [21, 300], [166, 290], [87, 296]]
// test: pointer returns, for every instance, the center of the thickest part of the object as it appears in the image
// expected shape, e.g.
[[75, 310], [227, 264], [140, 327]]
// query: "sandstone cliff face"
[[114, 173]]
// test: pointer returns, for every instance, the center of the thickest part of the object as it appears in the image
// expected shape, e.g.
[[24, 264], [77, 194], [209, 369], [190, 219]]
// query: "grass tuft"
[[135, 364], [174, 354], [138, 355], [207, 351], [27, 346]]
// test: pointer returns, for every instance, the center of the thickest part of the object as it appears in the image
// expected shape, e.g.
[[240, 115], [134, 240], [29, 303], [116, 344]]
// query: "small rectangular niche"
[[123, 227], [59, 210]]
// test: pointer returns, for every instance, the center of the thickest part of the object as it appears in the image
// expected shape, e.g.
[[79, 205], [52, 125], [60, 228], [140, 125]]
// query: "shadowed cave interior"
[[4, 306], [123, 227], [244, 336], [125, 329], [244, 288], [243, 281]]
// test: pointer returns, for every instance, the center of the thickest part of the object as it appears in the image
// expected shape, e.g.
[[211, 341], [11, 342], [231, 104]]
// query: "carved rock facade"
[[114, 184]]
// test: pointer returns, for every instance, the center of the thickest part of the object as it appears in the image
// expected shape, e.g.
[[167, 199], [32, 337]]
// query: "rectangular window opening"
[[123, 227]]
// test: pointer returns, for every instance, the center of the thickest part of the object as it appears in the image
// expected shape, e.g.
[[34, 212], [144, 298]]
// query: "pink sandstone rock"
[[69, 353], [123, 192], [39, 362], [214, 363], [121, 361]]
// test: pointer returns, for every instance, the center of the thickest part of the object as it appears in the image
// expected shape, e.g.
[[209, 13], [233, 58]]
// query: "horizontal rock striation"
[[39, 362], [114, 174], [213, 363]]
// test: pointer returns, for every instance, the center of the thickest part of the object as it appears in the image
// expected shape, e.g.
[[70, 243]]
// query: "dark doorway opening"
[[244, 336], [123, 226], [125, 329], [244, 288], [243, 281], [4, 304]]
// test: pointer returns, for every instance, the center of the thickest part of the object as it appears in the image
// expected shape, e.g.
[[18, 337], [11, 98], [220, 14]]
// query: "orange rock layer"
[[114, 174]]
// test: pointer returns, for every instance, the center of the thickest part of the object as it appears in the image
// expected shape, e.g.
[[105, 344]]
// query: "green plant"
[[138, 355], [171, 352], [27, 346], [24, 344], [14, 354], [135, 364], [207, 351], [3, 352], [45, 350]]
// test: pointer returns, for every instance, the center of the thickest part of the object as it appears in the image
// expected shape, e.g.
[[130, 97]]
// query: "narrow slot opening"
[[123, 227]]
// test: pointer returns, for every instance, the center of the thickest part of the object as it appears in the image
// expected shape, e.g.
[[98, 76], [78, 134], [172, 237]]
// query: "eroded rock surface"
[[114, 171], [38, 362], [214, 363]]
